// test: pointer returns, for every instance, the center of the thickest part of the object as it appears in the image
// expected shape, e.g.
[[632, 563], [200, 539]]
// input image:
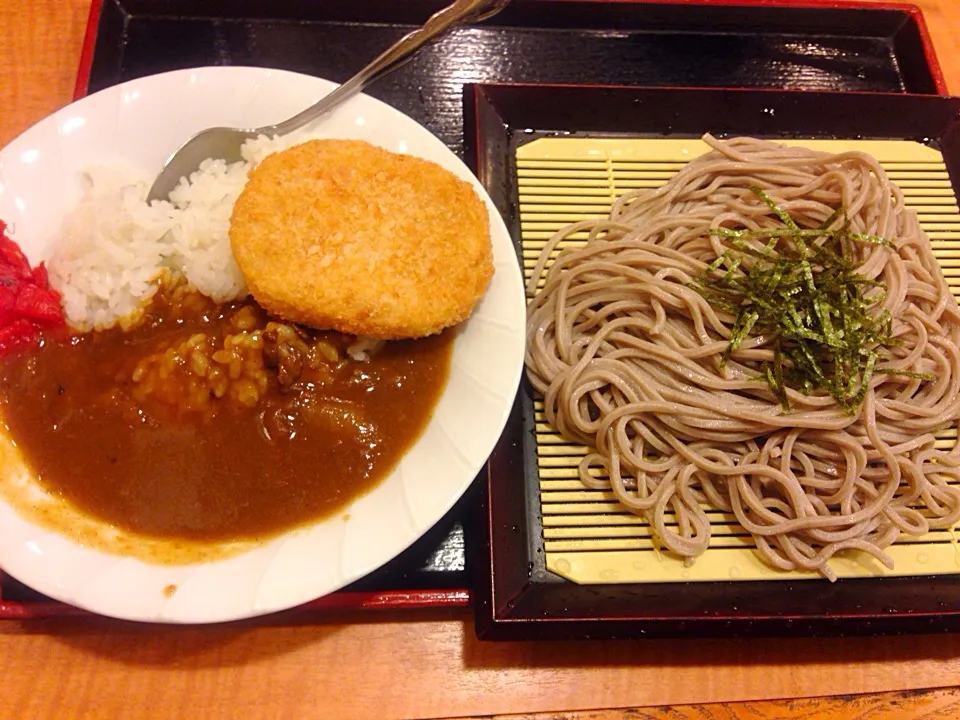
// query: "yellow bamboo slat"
[[589, 536]]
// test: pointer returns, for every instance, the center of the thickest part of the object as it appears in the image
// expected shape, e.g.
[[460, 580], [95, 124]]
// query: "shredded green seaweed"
[[800, 287]]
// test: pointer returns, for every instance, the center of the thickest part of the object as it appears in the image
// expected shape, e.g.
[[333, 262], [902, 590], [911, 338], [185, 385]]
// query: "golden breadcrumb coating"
[[344, 235]]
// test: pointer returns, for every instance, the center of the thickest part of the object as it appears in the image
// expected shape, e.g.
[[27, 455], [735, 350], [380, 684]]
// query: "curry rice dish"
[[234, 421]]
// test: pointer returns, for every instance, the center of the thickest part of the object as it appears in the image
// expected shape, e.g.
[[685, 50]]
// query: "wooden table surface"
[[430, 666]]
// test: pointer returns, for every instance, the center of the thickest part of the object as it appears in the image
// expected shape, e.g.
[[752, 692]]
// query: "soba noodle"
[[628, 357]]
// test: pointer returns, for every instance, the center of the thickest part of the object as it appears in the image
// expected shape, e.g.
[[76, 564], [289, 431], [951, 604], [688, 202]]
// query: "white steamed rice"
[[112, 247]]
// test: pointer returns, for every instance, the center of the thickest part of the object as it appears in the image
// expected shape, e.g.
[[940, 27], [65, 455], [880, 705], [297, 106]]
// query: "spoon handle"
[[393, 57]]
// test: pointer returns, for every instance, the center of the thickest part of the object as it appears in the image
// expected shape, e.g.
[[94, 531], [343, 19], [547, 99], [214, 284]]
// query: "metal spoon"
[[225, 143]]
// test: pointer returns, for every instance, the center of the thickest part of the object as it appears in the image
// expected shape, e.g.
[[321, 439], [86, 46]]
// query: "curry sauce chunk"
[[217, 422]]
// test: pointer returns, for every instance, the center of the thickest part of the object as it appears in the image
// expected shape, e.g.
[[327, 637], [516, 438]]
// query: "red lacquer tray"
[[813, 44]]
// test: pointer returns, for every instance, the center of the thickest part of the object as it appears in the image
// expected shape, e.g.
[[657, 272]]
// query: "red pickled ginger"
[[27, 302]]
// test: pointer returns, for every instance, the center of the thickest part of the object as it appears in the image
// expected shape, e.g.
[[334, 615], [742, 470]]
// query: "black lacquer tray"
[[753, 43], [515, 595]]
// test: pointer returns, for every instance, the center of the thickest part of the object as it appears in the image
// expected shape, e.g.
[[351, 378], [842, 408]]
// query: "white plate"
[[142, 122]]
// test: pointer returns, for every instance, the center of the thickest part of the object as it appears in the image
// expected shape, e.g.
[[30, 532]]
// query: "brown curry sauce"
[[180, 456]]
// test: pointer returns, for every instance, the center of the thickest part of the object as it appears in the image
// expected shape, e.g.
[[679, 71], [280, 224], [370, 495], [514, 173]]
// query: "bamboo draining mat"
[[588, 536]]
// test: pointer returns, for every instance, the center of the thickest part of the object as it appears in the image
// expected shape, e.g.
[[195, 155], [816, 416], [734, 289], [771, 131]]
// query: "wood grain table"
[[430, 666]]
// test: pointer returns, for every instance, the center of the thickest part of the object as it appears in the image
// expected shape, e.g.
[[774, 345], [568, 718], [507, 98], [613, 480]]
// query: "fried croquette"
[[343, 235]]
